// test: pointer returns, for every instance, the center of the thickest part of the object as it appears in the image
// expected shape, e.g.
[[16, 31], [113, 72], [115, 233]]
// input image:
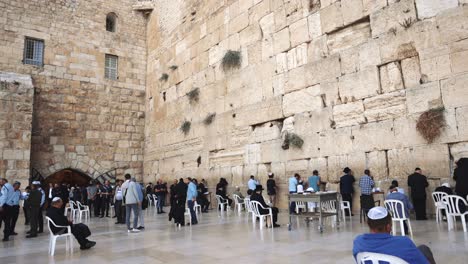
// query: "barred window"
[[33, 51], [111, 68]]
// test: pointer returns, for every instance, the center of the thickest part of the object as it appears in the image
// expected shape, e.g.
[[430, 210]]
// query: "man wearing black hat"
[[257, 196], [346, 187], [418, 183]]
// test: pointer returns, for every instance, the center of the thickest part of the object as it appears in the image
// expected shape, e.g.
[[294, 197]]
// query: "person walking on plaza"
[[118, 206], [293, 182], [34, 203], [366, 183], [252, 183], [418, 184], [6, 207], [130, 196], [271, 188], [346, 187], [191, 198]]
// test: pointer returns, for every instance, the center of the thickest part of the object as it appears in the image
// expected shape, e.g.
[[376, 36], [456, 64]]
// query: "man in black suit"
[[346, 187], [79, 231], [257, 196], [418, 183]]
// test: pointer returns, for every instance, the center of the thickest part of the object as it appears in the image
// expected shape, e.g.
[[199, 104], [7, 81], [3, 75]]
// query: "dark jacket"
[[221, 190], [444, 189], [34, 199], [271, 187], [346, 184], [418, 183], [56, 214], [181, 191], [460, 175], [259, 198]]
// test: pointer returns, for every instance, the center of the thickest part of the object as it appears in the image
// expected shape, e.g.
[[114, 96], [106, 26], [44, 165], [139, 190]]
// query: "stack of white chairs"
[[397, 209], [452, 203], [256, 207], [300, 205], [53, 238]]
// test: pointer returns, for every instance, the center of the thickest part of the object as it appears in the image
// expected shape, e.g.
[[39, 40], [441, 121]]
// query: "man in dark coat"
[[79, 231], [34, 203], [346, 187], [257, 196], [418, 183], [460, 175], [181, 197]]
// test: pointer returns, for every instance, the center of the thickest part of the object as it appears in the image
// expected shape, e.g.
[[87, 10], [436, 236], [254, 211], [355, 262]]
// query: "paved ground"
[[227, 239]]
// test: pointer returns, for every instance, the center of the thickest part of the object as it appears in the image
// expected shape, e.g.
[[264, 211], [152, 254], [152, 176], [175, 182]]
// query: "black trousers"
[[97, 206], [105, 202], [7, 216], [349, 198], [367, 202], [90, 203], [40, 220], [34, 214], [14, 218], [119, 211], [420, 208], [274, 211], [26, 215]]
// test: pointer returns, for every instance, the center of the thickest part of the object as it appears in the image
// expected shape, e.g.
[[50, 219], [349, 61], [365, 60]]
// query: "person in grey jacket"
[[132, 203]]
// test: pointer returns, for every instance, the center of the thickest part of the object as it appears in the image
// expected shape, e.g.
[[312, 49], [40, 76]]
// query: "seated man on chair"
[[257, 196], [80, 231], [396, 195], [379, 240]]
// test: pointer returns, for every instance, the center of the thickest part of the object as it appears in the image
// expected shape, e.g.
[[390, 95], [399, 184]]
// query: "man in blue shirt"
[[403, 212], [6, 207], [252, 183], [380, 241], [366, 183], [293, 182], [191, 198], [17, 196]]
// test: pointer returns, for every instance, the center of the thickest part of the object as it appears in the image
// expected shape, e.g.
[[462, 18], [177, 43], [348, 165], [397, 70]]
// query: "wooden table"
[[319, 198]]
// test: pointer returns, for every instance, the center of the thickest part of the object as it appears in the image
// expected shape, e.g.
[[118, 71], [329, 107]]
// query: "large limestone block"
[[436, 66], [252, 154], [260, 9], [454, 91], [297, 56], [304, 100], [374, 136], [459, 60], [281, 41], [349, 114], [315, 28], [423, 97], [250, 35], [390, 77], [371, 6], [261, 112], [265, 132], [239, 23], [462, 122], [319, 164], [411, 72], [329, 92], [335, 141], [272, 152], [430, 8], [318, 49], [267, 24], [452, 24], [299, 32], [385, 106], [322, 70], [296, 79], [298, 166], [434, 160], [331, 17], [392, 17], [281, 62], [362, 84], [350, 60], [354, 10], [348, 37], [369, 54]]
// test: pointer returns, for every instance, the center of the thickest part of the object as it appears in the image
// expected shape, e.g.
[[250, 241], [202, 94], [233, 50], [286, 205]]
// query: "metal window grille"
[[33, 52], [111, 68]]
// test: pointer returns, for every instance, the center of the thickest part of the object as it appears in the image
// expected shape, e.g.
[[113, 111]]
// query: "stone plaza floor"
[[227, 239]]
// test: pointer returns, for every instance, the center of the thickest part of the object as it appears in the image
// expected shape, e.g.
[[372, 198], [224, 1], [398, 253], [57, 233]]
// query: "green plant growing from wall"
[[209, 119], [194, 95], [292, 139], [185, 127], [231, 60], [164, 77], [431, 123], [407, 22], [174, 67]]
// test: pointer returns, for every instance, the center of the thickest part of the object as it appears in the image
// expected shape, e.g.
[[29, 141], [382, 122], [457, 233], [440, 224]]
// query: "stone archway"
[[69, 176]]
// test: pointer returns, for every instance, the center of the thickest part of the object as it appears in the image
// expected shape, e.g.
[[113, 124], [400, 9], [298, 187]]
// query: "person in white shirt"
[[130, 198], [118, 206]]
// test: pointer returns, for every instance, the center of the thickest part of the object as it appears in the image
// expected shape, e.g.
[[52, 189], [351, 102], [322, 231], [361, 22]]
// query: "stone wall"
[[350, 77], [81, 120], [16, 108]]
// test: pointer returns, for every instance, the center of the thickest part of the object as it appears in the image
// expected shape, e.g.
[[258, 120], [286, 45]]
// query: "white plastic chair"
[[155, 199], [73, 209], [256, 206], [187, 214], [345, 205], [239, 203], [300, 205], [439, 204], [197, 209], [53, 238], [452, 203], [248, 206], [397, 209], [150, 199], [82, 210], [222, 202], [376, 258]]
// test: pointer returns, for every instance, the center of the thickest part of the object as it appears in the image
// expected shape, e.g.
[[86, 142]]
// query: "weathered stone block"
[[297, 56], [430, 8], [390, 77], [348, 37], [315, 28], [421, 98], [354, 10], [331, 17], [299, 32], [322, 70], [371, 6], [459, 61], [452, 25], [250, 35], [362, 84], [349, 114], [411, 72], [454, 92], [281, 41], [304, 100], [373, 136], [265, 132], [385, 106], [392, 17], [317, 49]]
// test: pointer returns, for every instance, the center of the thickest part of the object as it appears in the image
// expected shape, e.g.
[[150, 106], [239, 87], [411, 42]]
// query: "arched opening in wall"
[[69, 176], [111, 22]]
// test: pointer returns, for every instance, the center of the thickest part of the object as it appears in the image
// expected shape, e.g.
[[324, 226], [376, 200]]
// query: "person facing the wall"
[[346, 187], [418, 184]]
